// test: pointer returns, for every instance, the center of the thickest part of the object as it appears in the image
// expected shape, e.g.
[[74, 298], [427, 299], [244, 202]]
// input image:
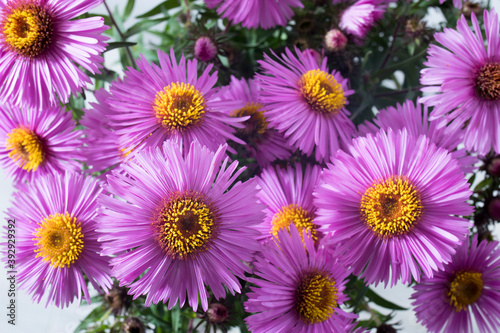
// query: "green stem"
[[127, 49]]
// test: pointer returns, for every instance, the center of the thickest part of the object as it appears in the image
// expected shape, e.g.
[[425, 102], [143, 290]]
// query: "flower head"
[[264, 14], [466, 291], [177, 222], [306, 102], [415, 119], [392, 203], [170, 102], [101, 150], [37, 143], [465, 75], [41, 49], [56, 242], [288, 197], [264, 143], [298, 289]]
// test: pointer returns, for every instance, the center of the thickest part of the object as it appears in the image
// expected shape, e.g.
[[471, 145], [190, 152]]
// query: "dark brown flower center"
[[488, 82]]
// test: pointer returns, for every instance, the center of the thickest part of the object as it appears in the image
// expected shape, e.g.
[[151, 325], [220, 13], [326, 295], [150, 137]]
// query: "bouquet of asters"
[[254, 166]]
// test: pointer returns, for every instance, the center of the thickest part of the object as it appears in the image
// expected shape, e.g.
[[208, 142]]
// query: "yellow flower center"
[[26, 148], [316, 297], [59, 240], [185, 224], [296, 215], [179, 106], [322, 92], [465, 289], [391, 207], [488, 82], [27, 29], [256, 125]]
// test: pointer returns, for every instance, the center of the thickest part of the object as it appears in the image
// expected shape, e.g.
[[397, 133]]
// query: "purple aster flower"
[[40, 48], [467, 291], [170, 102], [256, 13], [360, 17], [299, 288], [392, 203], [36, 143], [56, 241], [288, 197], [101, 142], [415, 119], [465, 75], [264, 143], [306, 102], [177, 221]]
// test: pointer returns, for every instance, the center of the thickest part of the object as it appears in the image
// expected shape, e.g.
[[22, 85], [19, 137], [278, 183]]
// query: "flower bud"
[[335, 40], [205, 49]]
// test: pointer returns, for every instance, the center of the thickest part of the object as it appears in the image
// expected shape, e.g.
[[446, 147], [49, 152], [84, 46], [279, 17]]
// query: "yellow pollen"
[[26, 148], [488, 82], [254, 126], [21, 29], [465, 289], [296, 215], [322, 92], [391, 207], [179, 106], [27, 29], [316, 298], [185, 225], [59, 240]]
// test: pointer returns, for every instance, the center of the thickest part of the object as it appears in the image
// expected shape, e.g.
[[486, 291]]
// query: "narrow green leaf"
[[176, 318], [377, 299], [115, 45], [143, 25], [166, 5], [482, 184], [128, 9]]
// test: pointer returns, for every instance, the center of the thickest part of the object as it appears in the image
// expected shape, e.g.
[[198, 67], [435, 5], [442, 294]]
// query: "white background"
[[32, 317]]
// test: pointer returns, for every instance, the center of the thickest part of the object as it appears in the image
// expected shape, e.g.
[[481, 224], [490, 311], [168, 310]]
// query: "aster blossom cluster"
[[264, 165]]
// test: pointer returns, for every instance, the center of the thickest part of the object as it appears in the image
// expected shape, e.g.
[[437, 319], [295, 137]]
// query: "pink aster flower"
[[256, 13], [467, 291], [393, 204], [306, 102], [101, 142], [41, 49], [361, 16], [36, 143], [264, 143], [170, 102], [288, 197], [465, 75], [56, 241], [298, 288], [178, 226], [415, 119]]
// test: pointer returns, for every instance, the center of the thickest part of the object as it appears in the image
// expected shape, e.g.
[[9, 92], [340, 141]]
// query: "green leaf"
[[377, 299], [115, 45], [142, 25], [176, 318], [484, 183], [91, 318], [128, 9], [161, 8]]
